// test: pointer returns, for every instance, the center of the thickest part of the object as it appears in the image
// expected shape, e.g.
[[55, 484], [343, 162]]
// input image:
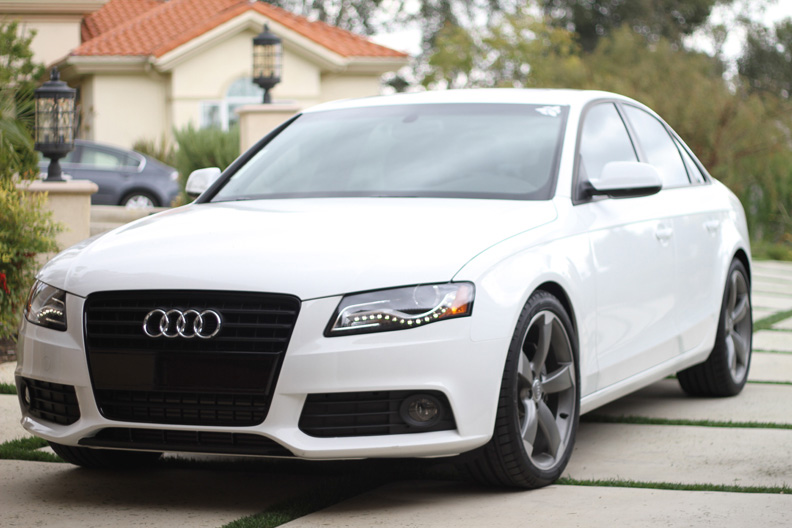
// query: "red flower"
[[4, 284]]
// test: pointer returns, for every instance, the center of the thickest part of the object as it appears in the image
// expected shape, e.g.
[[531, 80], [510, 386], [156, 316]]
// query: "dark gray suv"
[[124, 177]]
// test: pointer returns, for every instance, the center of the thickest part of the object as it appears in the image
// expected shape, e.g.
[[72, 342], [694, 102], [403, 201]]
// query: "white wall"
[[336, 86], [208, 75], [55, 36], [127, 108]]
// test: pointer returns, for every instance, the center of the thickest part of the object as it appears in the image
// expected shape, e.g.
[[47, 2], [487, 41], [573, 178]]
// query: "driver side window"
[[604, 139]]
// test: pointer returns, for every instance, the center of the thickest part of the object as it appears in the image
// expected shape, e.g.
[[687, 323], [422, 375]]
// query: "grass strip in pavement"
[[760, 382], [321, 497], [641, 420], [27, 449], [357, 477], [614, 483], [767, 322], [7, 388]]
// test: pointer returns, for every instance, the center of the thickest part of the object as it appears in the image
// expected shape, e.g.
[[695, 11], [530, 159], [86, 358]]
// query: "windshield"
[[430, 150]]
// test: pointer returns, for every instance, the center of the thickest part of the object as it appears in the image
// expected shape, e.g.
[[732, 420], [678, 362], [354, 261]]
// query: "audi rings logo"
[[187, 324]]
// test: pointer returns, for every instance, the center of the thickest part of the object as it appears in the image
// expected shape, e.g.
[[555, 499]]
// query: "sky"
[[771, 14]]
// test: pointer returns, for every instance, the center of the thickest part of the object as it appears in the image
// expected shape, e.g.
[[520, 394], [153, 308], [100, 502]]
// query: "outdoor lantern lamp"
[[267, 56], [54, 123]]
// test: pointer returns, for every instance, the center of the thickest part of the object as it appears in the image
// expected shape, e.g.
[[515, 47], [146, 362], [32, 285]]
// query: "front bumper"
[[440, 358]]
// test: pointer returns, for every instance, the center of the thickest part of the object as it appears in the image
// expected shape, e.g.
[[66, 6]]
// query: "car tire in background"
[[539, 402], [139, 200], [726, 369]]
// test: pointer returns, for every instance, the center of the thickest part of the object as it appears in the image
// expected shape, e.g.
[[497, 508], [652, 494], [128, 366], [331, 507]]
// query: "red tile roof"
[[155, 27], [113, 14]]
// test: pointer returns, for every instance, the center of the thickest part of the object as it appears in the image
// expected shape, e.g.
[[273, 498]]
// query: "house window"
[[222, 114]]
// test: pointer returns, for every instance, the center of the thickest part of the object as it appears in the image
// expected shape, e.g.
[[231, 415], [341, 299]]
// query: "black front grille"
[[186, 441], [227, 379], [185, 408], [49, 401], [366, 414]]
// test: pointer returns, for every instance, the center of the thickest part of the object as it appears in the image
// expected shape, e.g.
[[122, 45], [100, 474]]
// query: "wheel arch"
[[742, 256], [558, 291]]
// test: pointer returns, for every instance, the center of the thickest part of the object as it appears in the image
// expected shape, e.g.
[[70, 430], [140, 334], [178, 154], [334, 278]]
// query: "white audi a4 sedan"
[[422, 275]]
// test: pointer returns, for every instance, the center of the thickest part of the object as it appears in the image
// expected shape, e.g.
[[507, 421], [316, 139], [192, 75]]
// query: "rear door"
[[696, 221]]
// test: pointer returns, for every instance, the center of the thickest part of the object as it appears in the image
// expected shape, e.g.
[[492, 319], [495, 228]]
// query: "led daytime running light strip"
[[373, 318]]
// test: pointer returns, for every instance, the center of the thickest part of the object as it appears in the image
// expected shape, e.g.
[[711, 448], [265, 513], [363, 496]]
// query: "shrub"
[[27, 229], [196, 148], [204, 147], [161, 150]]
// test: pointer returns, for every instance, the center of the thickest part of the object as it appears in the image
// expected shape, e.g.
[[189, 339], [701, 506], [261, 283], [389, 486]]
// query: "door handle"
[[712, 226], [664, 234]]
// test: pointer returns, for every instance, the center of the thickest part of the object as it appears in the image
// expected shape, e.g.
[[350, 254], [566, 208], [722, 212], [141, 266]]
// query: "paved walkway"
[[46, 494]]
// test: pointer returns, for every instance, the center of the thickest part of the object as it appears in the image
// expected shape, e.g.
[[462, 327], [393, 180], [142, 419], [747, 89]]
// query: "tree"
[[594, 19], [26, 228], [520, 51], [371, 16], [766, 61]]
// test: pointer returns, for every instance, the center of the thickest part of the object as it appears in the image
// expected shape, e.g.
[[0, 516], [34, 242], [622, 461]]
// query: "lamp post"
[[54, 123], [267, 57]]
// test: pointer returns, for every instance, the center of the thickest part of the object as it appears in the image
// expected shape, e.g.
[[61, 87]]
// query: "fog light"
[[24, 394], [421, 410]]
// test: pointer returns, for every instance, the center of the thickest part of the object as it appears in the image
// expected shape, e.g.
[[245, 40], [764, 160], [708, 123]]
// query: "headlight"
[[400, 308], [46, 306]]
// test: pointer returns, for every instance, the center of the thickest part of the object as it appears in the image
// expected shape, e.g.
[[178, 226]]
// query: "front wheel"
[[539, 401], [726, 369]]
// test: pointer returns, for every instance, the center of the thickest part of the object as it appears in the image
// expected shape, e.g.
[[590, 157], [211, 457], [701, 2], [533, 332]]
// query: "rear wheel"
[[726, 369], [539, 401], [104, 458]]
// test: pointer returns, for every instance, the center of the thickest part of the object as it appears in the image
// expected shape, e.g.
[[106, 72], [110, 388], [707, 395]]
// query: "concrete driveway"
[[744, 442]]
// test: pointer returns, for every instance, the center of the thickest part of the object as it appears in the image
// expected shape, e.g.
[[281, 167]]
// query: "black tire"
[[138, 199], [539, 402], [104, 458], [725, 371]]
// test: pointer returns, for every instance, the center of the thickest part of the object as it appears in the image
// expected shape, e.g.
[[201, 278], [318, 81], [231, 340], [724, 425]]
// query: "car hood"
[[307, 247]]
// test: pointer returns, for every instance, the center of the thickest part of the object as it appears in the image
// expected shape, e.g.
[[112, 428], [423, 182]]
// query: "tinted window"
[[444, 150], [658, 146], [106, 158], [604, 139], [101, 158]]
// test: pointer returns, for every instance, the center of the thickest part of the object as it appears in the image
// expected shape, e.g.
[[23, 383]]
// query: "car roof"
[[487, 95]]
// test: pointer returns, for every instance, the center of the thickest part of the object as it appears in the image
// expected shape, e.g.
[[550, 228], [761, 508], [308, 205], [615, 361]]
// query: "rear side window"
[[695, 174], [659, 148], [101, 158], [604, 139]]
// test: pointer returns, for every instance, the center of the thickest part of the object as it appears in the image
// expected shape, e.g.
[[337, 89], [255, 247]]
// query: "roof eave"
[[89, 64], [252, 20], [375, 65], [80, 7]]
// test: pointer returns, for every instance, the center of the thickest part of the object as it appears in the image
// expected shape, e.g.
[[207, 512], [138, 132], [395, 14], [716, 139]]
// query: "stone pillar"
[[70, 203], [256, 121]]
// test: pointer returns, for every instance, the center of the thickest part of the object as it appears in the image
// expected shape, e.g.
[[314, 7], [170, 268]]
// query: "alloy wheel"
[[546, 390]]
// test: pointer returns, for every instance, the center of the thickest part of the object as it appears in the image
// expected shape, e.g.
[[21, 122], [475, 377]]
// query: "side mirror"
[[200, 180], [625, 179]]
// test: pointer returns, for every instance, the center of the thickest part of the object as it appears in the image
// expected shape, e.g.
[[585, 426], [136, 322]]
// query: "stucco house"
[[145, 67]]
